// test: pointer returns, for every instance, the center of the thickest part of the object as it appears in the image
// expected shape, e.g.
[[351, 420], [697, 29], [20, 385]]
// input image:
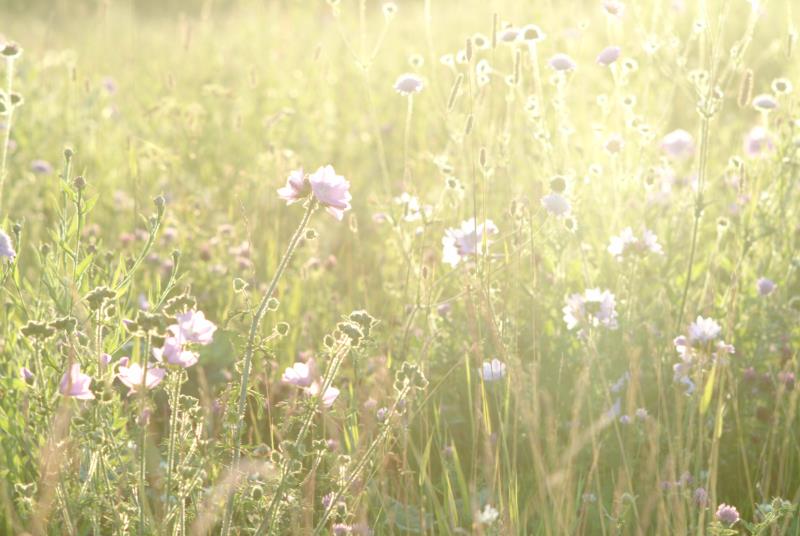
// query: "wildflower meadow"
[[359, 267]]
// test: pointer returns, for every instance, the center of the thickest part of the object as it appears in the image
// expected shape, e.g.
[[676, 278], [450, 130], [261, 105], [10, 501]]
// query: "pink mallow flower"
[[299, 374], [331, 191], [173, 353], [76, 384], [133, 376], [193, 327], [297, 187], [328, 397]]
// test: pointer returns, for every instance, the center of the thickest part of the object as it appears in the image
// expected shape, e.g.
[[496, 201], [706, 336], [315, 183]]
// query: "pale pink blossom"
[[758, 142], [331, 191], [608, 55], [193, 327], [469, 240], [328, 397], [727, 514], [678, 144], [299, 374], [133, 376], [562, 62], [76, 384], [173, 353], [297, 187]]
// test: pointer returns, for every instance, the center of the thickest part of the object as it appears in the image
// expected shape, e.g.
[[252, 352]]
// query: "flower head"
[[627, 244], [678, 144], [299, 374], [41, 167], [493, 370], [133, 376], [704, 330], [593, 308], [608, 55], [764, 102], [488, 515], [556, 204], [76, 384], [6, 247], [174, 353], [409, 83], [297, 187], [193, 327], [765, 286], [328, 397], [727, 514], [758, 142], [469, 240], [331, 190], [562, 62]]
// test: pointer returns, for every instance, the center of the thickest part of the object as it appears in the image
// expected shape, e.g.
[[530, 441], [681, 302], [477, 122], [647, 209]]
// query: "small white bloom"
[[488, 515], [493, 370], [556, 204], [704, 330]]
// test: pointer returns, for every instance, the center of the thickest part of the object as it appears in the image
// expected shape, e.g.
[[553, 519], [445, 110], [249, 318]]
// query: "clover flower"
[[76, 384], [133, 376], [593, 308], [469, 240]]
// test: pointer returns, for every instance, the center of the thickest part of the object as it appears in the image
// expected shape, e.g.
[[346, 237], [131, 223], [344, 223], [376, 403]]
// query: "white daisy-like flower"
[[593, 308], [493, 370], [488, 515], [704, 330], [556, 204], [469, 240]]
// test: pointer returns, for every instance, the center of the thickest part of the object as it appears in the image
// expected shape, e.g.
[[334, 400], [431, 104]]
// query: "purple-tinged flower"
[[299, 374], [133, 376], [787, 378], [758, 142], [469, 240], [341, 529], [765, 286], [593, 308], [331, 191], [109, 85], [627, 244], [76, 384], [173, 353], [625, 419], [105, 359], [678, 144], [297, 187], [6, 248], [26, 374], [704, 330], [700, 497], [493, 370], [328, 397], [689, 384], [727, 514], [382, 414], [562, 62], [508, 35], [193, 327], [614, 8], [641, 414], [608, 55], [556, 204], [41, 167], [408, 83], [764, 102]]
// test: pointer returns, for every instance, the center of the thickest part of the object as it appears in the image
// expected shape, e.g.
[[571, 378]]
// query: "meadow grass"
[[560, 293]]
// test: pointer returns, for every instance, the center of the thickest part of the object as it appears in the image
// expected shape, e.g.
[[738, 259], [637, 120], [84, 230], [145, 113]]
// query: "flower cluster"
[[593, 308], [701, 344], [628, 245]]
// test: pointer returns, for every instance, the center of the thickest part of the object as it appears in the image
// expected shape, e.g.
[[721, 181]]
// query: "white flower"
[[6, 248], [556, 204], [461, 243], [412, 209], [488, 515], [299, 374], [704, 330], [593, 308], [493, 370], [627, 244]]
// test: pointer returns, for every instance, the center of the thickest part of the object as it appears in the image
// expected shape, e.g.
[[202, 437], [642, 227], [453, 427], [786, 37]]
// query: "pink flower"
[[133, 376], [328, 397], [76, 384], [174, 354], [458, 244], [608, 55], [562, 62], [765, 286], [331, 190], [727, 514], [192, 326], [297, 187], [678, 144], [614, 7], [299, 374]]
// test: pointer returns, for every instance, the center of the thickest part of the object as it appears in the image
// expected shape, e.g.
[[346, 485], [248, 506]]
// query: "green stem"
[[173, 423], [248, 357], [143, 438], [7, 135]]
